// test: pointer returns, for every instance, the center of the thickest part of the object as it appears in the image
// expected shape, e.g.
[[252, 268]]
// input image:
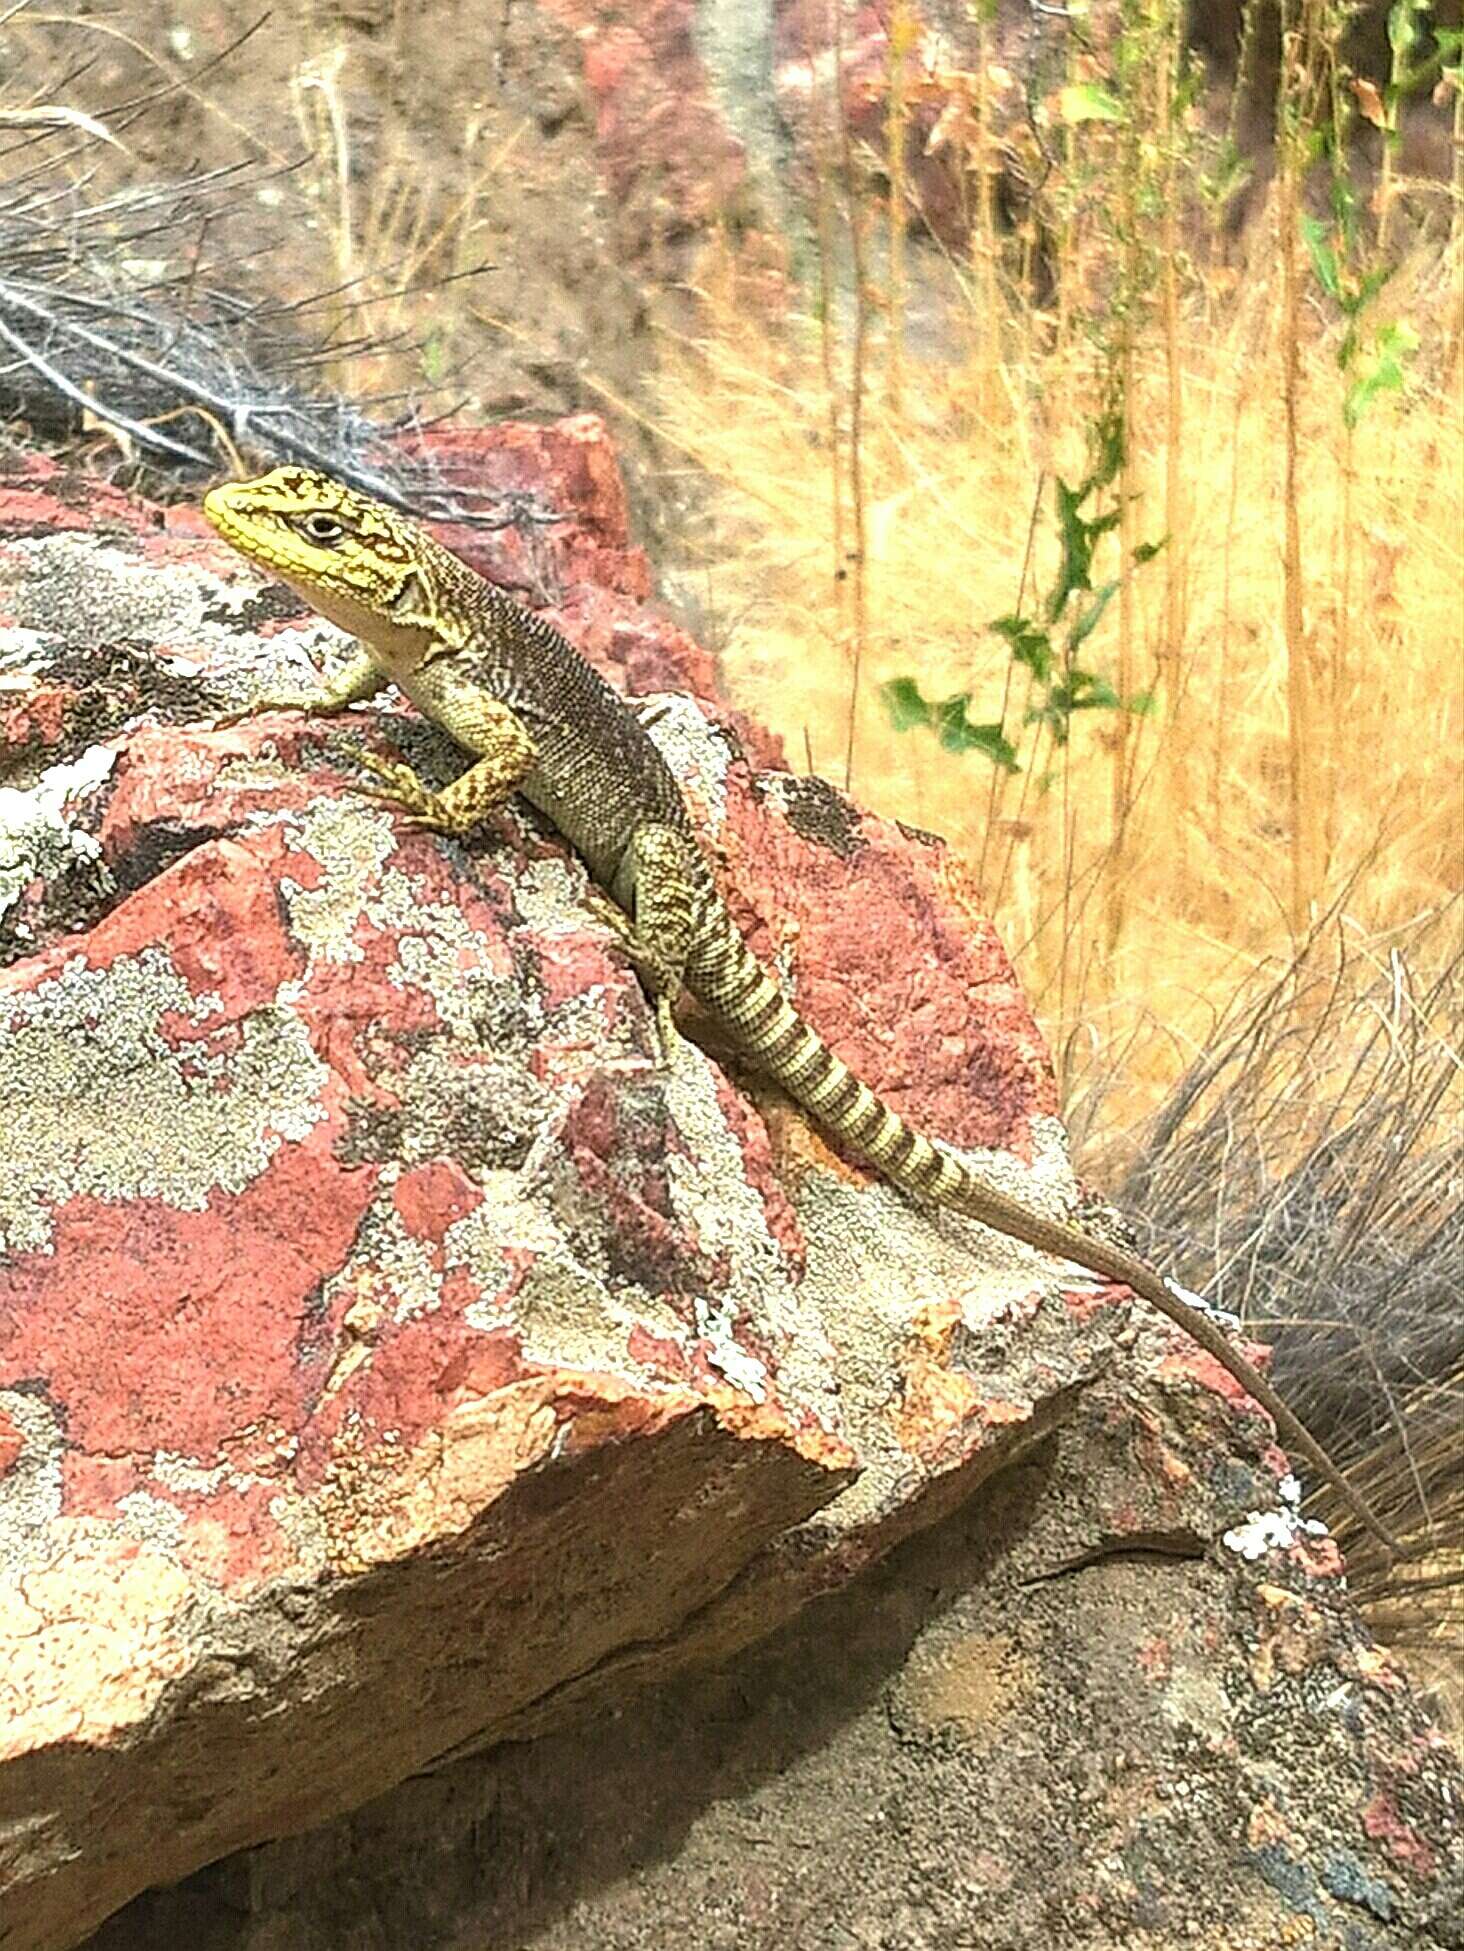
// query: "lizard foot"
[[668, 1036], [282, 701], [613, 916], [402, 791], [651, 974]]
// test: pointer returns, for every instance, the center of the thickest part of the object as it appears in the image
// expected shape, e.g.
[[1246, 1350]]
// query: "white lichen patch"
[[258, 773], [562, 1309], [1275, 1530], [437, 949], [306, 1525], [716, 1323], [37, 839], [695, 751], [352, 844], [30, 1494], [485, 1109], [94, 1099], [509, 1218], [389, 1277], [878, 1244], [20, 652], [549, 894], [401, 1266], [74, 587], [77, 587], [151, 1518], [303, 658], [724, 1213], [875, 1260], [1046, 1185], [186, 1477], [778, 790], [569, 1309]]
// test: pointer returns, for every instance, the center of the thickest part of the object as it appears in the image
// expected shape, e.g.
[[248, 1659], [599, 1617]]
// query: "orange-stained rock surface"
[[393, 1356]]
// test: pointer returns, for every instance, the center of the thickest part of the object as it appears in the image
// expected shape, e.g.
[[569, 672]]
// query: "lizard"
[[537, 718]]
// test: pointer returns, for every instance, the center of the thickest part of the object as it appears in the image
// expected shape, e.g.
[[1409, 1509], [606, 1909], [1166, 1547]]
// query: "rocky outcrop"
[[1014, 1734], [396, 1357]]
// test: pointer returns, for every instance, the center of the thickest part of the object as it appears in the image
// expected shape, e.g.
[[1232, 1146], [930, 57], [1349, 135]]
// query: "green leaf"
[[1090, 693], [1085, 101], [1078, 691], [1106, 440], [1142, 704], [1323, 257], [1382, 370], [958, 734], [909, 710], [1030, 645], [1054, 717], [1078, 538], [1231, 172], [1087, 623], [1077, 550], [1146, 551], [903, 702], [1343, 199]]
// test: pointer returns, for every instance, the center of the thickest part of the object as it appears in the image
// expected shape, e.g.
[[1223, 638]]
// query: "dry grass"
[[949, 492], [1236, 915], [396, 229], [1306, 1171]]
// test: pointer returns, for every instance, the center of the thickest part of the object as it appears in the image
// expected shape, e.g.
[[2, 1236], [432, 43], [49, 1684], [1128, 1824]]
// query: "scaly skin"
[[538, 719]]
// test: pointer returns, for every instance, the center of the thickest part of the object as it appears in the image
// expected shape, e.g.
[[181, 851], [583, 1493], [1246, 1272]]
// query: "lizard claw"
[[401, 792], [614, 917], [257, 706], [390, 770], [663, 1001]]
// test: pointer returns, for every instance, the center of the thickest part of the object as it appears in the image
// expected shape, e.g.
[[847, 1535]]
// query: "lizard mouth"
[[217, 509], [233, 524]]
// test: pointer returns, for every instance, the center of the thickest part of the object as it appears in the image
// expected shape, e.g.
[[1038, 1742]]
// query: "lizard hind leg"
[[659, 883]]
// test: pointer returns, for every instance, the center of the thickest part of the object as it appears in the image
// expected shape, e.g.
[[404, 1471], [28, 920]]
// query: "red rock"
[[38, 716], [391, 1355], [672, 163], [564, 481], [938, 74], [1382, 1821]]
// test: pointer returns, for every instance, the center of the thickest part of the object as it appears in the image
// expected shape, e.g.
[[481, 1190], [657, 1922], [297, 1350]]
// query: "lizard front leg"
[[505, 756], [361, 677]]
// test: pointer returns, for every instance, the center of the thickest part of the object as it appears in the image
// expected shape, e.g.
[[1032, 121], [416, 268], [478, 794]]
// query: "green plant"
[[1373, 359], [1413, 63], [1044, 645]]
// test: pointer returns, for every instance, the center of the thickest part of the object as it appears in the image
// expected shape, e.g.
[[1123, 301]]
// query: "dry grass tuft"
[[951, 487], [1306, 1171]]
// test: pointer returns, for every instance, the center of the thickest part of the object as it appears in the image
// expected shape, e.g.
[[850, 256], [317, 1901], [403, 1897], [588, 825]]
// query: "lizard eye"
[[322, 528]]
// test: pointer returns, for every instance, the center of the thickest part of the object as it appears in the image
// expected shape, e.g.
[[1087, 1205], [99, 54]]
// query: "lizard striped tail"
[[729, 981]]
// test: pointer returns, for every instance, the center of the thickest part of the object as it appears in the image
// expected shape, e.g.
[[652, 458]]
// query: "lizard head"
[[353, 559]]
